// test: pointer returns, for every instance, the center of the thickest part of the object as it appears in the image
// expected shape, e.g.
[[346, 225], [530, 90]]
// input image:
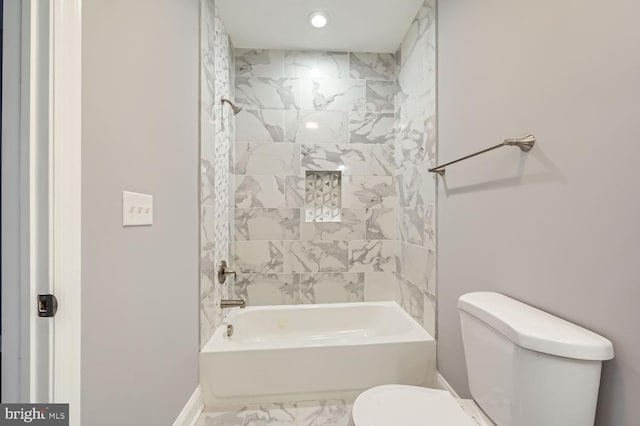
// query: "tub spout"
[[232, 303]]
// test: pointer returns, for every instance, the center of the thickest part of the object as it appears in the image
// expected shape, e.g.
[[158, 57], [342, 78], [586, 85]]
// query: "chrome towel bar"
[[525, 143]]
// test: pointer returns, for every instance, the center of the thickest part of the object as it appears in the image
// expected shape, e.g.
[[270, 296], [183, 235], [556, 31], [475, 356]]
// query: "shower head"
[[236, 109]]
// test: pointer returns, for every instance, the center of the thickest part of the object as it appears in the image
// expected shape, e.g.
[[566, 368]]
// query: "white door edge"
[[66, 201]]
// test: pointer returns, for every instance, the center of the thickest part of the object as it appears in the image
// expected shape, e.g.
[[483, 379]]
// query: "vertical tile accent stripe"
[[216, 143]]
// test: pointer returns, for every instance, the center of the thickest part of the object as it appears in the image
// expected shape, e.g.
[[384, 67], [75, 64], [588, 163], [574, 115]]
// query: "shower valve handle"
[[223, 271]]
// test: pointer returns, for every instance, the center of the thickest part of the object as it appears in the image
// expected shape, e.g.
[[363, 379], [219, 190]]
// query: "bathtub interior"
[[345, 322]]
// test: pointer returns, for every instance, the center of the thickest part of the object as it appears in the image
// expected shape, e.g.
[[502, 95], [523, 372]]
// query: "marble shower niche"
[[369, 116], [323, 196]]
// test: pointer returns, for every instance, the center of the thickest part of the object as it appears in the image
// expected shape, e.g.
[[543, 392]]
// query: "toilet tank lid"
[[534, 329]]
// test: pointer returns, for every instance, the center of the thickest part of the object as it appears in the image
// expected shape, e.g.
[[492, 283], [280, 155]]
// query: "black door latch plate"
[[47, 305]]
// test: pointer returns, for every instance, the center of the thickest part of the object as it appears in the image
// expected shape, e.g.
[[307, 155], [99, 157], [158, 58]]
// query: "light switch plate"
[[137, 209]]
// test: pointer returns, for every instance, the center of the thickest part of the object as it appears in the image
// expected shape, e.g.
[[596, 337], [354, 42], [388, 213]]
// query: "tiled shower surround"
[[415, 153], [216, 136], [292, 123], [370, 116]]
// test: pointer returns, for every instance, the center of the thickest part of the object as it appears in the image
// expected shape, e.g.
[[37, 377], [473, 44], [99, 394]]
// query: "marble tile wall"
[[216, 181], [314, 111], [415, 152]]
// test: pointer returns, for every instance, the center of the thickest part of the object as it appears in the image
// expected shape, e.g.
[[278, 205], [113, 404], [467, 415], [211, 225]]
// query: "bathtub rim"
[[220, 343]]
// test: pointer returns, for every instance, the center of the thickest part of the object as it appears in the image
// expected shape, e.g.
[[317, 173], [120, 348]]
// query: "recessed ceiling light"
[[318, 19]]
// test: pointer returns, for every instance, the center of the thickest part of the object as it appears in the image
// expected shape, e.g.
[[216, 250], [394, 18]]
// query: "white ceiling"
[[354, 25]]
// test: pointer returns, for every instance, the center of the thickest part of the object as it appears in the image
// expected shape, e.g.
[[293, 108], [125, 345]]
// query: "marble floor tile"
[[312, 413]]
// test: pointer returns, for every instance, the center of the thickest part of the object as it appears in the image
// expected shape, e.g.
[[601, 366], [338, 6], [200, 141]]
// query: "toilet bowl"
[[512, 351], [400, 405]]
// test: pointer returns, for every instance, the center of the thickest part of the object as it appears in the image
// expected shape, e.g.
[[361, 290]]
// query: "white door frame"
[[26, 201], [42, 101]]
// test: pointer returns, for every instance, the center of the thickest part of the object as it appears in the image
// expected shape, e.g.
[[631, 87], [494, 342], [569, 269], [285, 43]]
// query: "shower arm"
[[236, 109]]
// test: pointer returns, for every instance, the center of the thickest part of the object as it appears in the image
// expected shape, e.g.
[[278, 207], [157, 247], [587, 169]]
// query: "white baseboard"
[[191, 411], [444, 385]]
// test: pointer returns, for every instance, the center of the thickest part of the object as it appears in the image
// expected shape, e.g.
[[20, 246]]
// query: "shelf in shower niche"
[[323, 196]]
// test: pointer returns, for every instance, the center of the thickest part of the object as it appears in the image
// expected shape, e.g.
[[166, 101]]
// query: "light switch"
[[137, 209]]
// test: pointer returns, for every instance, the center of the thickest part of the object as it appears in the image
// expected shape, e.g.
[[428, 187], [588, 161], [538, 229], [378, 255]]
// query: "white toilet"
[[525, 368]]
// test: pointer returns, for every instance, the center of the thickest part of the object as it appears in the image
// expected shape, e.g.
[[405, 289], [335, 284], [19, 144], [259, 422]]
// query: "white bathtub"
[[311, 352]]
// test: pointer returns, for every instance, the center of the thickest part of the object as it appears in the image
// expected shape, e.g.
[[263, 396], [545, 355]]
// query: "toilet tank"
[[527, 367]]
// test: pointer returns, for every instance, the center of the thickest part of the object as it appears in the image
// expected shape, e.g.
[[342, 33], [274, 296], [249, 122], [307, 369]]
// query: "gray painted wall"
[[557, 228], [140, 285]]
